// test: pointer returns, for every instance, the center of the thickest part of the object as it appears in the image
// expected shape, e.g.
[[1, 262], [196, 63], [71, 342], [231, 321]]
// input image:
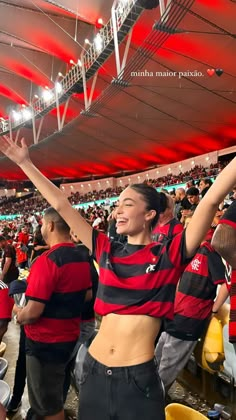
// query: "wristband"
[[214, 312]]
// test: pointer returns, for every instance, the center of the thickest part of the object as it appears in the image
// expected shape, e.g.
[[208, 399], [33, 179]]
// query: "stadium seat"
[[3, 347], [3, 367], [230, 355], [177, 411], [210, 351], [5, 393]]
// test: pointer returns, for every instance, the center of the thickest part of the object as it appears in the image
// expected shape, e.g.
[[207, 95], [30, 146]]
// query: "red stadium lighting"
[[99, 23]]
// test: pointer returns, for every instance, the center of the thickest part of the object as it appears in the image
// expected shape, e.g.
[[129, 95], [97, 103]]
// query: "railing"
[[74, 77]]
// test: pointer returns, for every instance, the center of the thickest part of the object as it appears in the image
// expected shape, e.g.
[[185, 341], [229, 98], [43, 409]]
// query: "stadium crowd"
[[39, 230]]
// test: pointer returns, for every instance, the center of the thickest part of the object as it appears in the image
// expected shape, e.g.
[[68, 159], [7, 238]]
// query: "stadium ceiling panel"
[[179, 98]]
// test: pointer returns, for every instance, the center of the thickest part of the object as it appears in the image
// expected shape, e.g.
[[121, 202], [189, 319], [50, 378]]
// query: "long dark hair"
[[153, 199]]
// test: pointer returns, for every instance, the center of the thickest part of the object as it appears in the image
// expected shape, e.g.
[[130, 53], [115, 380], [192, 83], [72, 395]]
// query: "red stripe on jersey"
[[64, 330], [155, 309], [192, 307], [6, 304]]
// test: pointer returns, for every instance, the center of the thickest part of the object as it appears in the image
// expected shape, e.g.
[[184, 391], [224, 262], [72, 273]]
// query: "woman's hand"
[[18, 154]]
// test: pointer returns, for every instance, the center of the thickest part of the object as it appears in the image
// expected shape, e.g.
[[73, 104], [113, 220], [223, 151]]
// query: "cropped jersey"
[[138, 279]]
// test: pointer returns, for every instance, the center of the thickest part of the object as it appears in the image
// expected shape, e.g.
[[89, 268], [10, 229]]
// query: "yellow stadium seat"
[[177, 411], [3, 347], [96, 266], [210, 351]]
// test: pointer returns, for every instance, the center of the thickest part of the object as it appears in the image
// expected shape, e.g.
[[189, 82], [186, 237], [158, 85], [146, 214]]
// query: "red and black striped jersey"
[[138, 279], [170, 229], [196, 293], [59, 278]]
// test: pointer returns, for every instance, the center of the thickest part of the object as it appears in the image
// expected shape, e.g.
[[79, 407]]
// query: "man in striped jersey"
[[57, 285], [194, 303]]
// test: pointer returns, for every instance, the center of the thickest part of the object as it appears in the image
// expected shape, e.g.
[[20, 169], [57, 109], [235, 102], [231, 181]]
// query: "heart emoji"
[[219, 72], [210, 72]]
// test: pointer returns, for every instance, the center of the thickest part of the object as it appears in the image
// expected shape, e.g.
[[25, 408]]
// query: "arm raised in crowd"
[[56, 198], [195, 232], [206, 209]]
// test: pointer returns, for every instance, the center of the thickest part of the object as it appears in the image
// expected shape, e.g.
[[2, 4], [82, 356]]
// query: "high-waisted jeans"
[[120, 393]]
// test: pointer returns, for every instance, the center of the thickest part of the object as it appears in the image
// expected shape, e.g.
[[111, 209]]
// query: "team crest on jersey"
[[195, 264], [150, 268]]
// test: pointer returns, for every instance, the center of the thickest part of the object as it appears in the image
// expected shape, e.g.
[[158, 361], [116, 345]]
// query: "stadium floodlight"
[[99, 23], [17, 116], [27, 113], [98, 43], [58, 87], [47, 95]]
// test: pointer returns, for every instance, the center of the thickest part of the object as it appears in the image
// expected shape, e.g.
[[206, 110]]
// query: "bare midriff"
[[125, 340]]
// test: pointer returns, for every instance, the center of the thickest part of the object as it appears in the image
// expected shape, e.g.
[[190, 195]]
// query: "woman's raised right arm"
[[54, 196]]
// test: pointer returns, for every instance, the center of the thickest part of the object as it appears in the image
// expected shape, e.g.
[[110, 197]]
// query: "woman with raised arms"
[[136, 290]]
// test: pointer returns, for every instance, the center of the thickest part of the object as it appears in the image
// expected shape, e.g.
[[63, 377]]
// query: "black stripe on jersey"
[[27, 298], [49, 352], [185, 328], [200, 287], [61, 256], [129, 297], [233, 289], [133, 270], [64, 305]]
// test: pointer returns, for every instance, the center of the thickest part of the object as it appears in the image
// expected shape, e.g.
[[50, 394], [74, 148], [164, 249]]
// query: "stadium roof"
[[179, 102]]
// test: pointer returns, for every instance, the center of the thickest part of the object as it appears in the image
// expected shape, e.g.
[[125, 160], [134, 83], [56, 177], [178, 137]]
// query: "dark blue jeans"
[[120, 393], [20, 372]]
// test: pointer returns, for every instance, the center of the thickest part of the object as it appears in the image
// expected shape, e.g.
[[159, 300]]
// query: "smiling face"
[[132, 217]]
